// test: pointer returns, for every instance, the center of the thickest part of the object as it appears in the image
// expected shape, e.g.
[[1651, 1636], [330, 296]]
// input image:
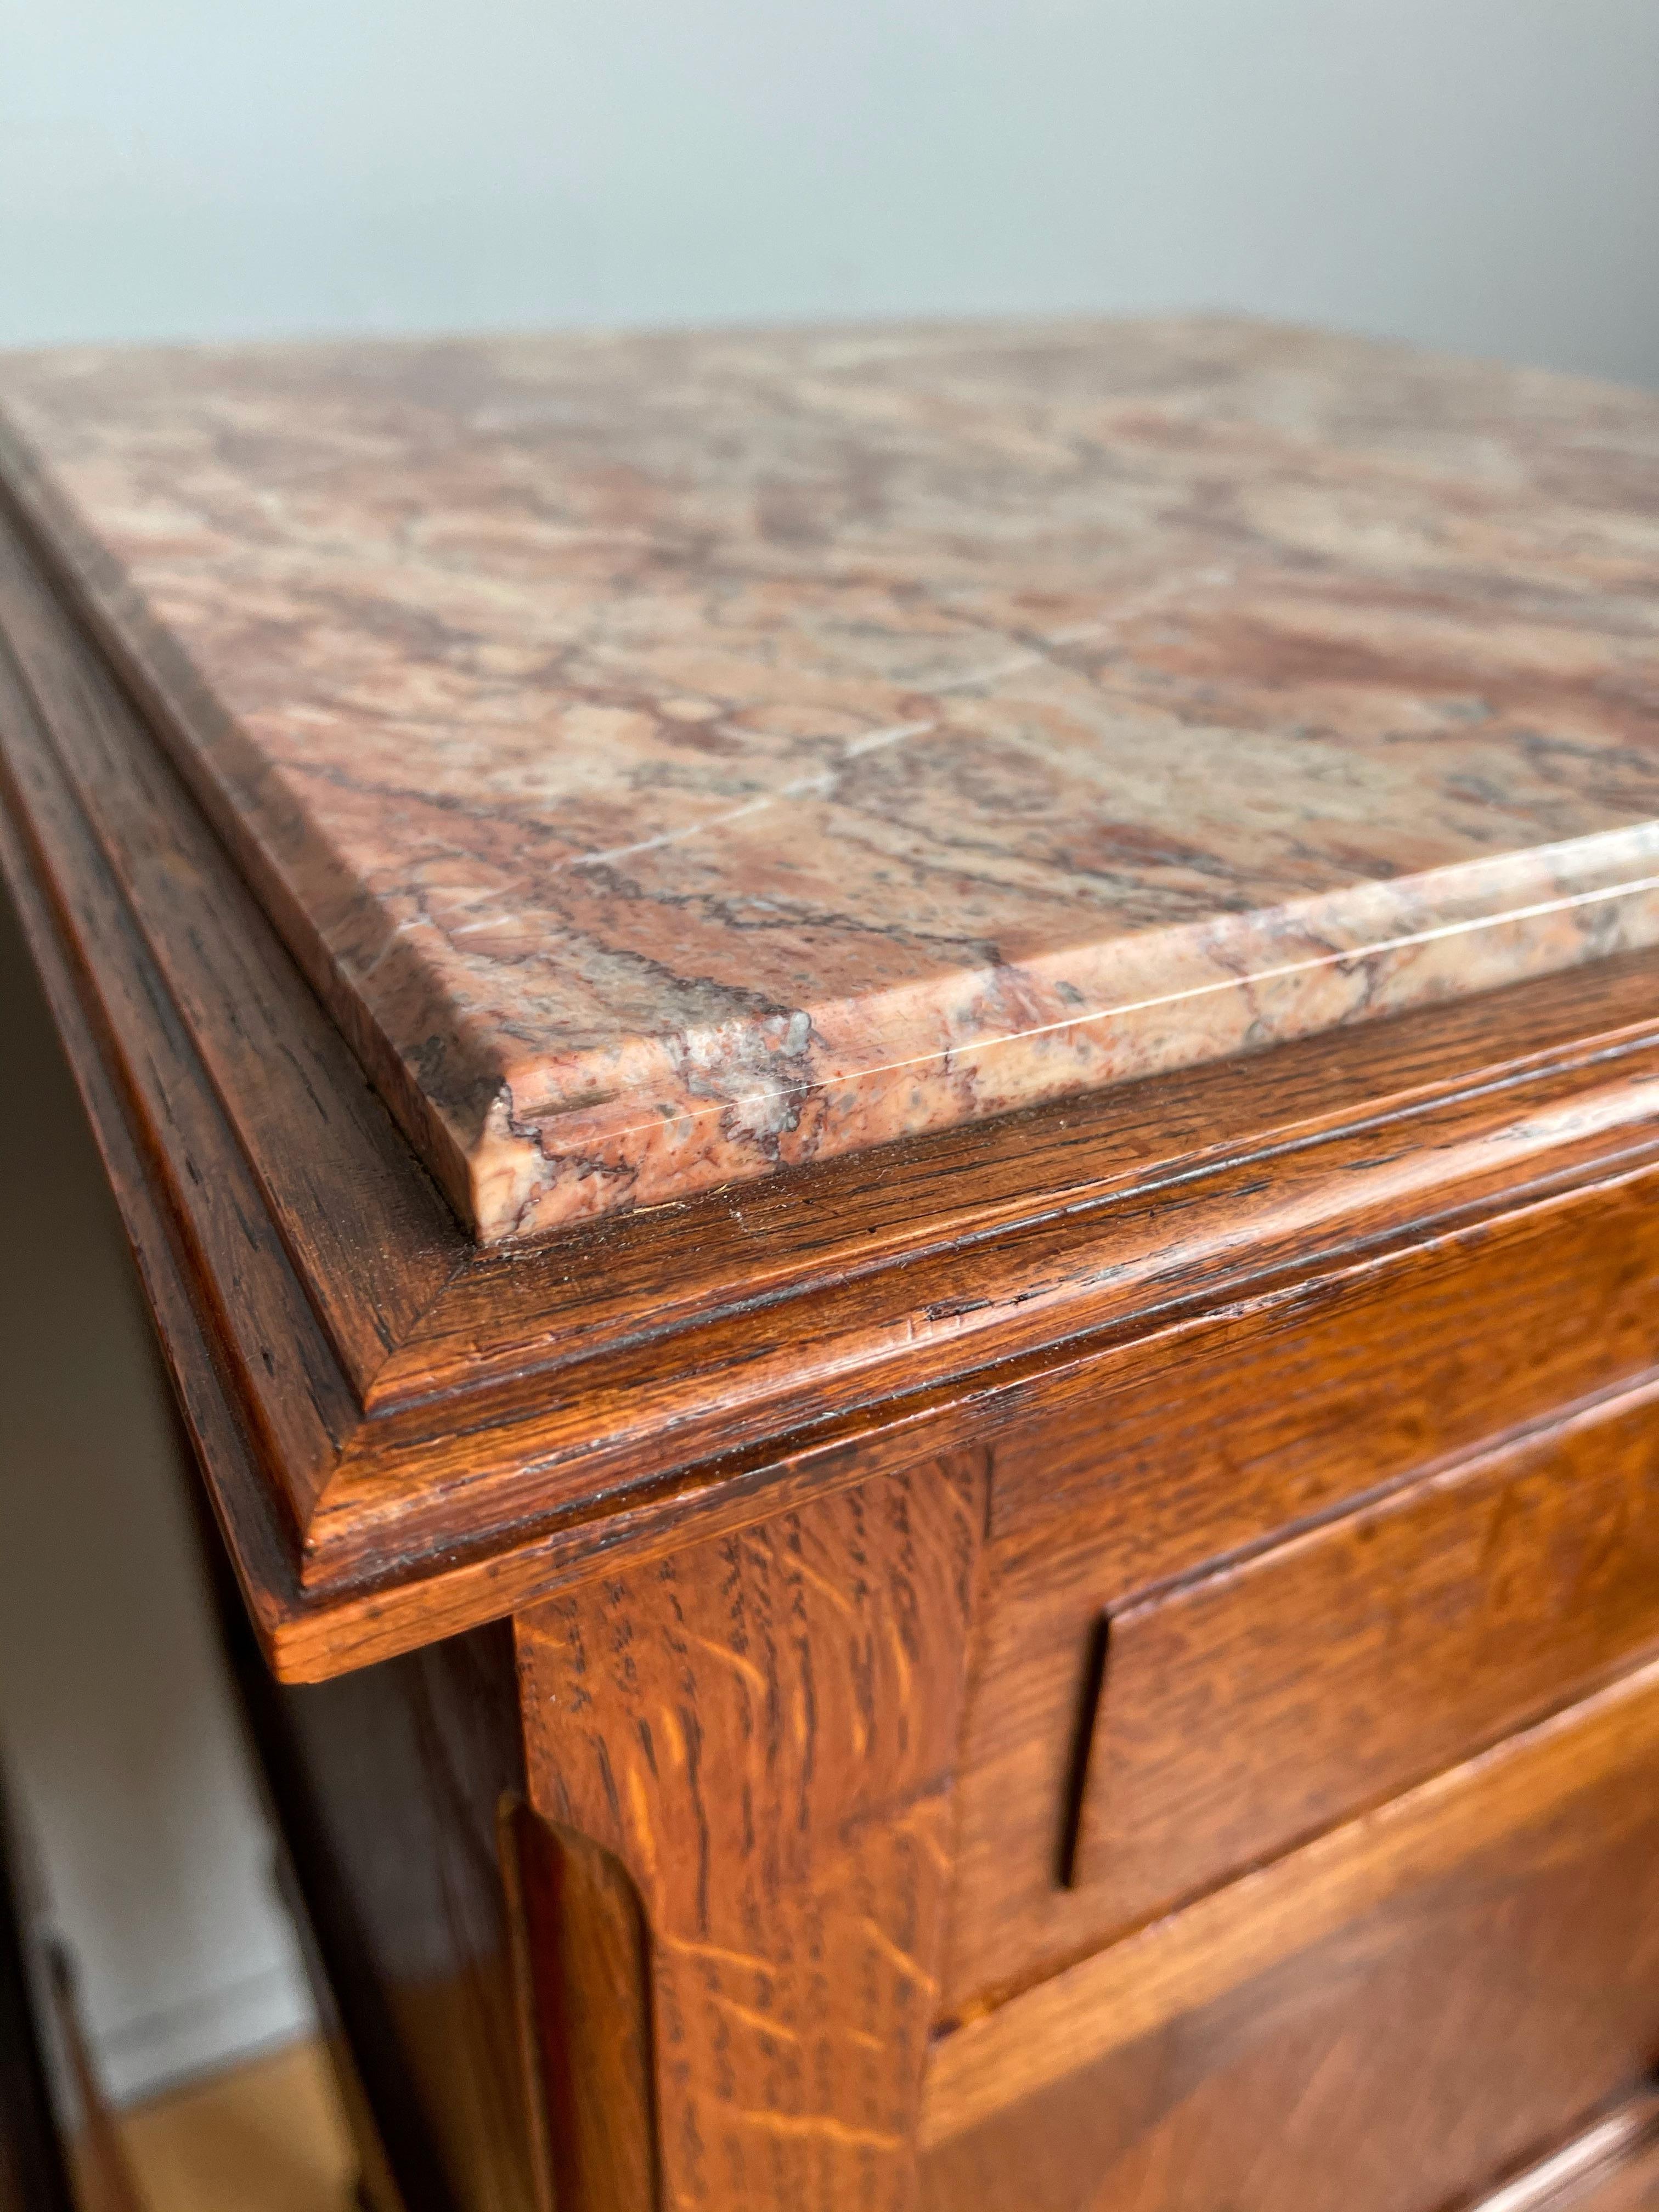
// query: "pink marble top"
[[680, 756]]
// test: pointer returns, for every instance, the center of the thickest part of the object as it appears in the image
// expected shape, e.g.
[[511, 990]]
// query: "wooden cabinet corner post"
[[760, 1733]]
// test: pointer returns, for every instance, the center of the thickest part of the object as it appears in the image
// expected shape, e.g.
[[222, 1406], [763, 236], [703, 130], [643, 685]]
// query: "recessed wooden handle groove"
[[1077, 1779]]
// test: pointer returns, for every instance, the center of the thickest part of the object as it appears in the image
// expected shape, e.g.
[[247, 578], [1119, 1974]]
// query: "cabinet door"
[[1263, 1679], [1246, 1710], [1385, 2021]]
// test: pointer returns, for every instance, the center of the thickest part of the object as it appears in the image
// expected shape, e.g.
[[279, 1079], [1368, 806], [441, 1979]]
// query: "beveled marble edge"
[[659, 1118], [1165, 1001], [851, 1079], [221, 770]]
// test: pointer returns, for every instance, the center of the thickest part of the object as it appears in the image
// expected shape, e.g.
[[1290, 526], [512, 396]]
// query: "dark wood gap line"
[[1077, 1773]]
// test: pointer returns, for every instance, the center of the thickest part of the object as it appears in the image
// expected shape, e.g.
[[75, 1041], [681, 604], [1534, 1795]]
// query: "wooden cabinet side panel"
[[587, 2016], [764, 1732], [388, 1785]]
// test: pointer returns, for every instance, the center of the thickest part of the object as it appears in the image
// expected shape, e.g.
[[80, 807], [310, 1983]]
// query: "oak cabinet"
[[890, 1101]]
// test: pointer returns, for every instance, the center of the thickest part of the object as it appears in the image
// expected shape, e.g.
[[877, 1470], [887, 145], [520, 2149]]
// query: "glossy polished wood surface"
[[1612, 2164], [1627, 2182]]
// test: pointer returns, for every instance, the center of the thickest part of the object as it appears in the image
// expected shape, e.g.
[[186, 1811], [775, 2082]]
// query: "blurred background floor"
[[266, 2135]]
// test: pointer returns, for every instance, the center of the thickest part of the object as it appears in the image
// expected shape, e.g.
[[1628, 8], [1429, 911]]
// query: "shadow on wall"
[[114, 1711]]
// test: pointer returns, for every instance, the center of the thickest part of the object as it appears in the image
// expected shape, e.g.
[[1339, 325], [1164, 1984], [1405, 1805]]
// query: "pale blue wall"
[[1480, 173]]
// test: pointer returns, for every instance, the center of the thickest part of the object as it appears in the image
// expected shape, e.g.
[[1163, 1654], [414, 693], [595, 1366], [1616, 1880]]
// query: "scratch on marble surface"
[[877, 741]]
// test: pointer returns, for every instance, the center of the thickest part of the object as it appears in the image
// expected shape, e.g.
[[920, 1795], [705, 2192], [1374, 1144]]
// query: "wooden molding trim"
[[406, 1435], [579, 1940]]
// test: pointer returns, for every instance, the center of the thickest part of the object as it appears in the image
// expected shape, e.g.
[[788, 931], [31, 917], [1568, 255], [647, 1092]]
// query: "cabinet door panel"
[[1185, 1452], [1386, 2021], [1248, 1709]]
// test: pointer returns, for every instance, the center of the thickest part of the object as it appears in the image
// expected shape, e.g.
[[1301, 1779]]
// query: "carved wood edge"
[[757, 1740], [406, 1435], [581, 1961]]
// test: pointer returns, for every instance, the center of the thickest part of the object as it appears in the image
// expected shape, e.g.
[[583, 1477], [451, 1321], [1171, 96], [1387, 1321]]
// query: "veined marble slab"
[[677, 756]]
